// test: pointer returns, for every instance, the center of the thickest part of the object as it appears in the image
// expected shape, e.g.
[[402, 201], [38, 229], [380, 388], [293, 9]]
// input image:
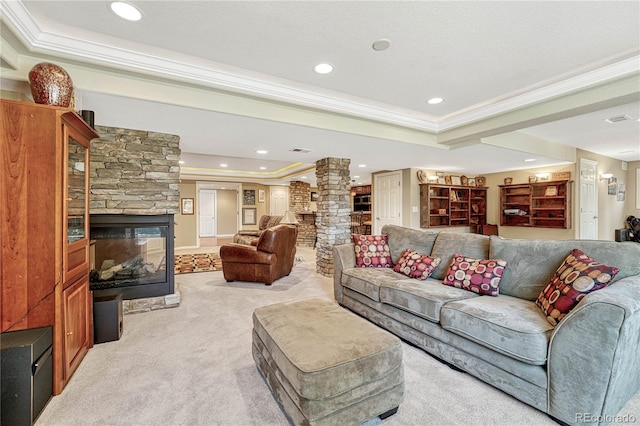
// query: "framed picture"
[[612, 187], [551, 191], [314, 196], [261, 195], [622, 190], [249, 197], [471, 181], [441, 179], [464, 181], [248, 216], [456, 180], [186, 205], [447, 180]]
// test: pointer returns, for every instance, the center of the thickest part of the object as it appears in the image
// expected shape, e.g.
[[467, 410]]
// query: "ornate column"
[[332, 177]]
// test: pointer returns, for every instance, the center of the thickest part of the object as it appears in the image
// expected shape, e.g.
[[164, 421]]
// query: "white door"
[[207, 212], [278, 200], [588, 200], [387, 200]]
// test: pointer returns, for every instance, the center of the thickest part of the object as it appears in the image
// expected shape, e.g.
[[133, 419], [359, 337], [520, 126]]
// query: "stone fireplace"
[[134, 190], [132, 255]]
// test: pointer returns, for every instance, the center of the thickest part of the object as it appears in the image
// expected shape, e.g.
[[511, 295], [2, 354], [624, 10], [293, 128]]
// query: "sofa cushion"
[[422, 298], [480, 276], [401, 239], [416, 265], [372, 251], [533, 262], [449, 243], [578, 276], [512, 326], [367, 281]]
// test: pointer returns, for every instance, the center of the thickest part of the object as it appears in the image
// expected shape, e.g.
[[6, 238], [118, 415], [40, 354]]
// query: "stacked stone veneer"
[[332, 176], [134, 172], [300, 203]]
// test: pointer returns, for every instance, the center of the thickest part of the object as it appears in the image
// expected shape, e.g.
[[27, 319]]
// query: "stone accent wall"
[[134, 172], [299, 196], [332, 176], [300, 203]]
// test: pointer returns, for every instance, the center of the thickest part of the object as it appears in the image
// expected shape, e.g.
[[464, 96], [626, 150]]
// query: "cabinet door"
[[75, 299], [76, 205]]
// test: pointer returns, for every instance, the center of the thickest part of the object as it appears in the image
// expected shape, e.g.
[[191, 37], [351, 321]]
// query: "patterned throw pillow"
[[416, 265], [372, 251], [578, 276], [480, 276]]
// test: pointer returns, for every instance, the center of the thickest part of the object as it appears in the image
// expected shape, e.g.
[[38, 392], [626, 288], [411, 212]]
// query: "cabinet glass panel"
[[76, 195]]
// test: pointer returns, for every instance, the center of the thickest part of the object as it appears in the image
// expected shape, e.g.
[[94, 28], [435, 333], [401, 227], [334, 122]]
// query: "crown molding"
[[169, 65]]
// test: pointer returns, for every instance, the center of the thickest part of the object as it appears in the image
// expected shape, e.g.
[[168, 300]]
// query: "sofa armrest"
[[593, 364], [249, 232], [344, 257]]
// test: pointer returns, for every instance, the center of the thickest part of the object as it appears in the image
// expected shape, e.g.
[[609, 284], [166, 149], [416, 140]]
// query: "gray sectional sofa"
[[583, 370]]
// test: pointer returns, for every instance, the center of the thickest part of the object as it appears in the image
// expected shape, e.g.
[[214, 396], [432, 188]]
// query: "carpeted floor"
[[200, 262], [192, 365]]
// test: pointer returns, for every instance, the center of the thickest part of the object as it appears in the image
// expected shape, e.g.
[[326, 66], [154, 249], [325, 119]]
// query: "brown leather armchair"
[[271, 258]]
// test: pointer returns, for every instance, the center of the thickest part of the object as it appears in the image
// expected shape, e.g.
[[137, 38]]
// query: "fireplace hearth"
[[132, 255]]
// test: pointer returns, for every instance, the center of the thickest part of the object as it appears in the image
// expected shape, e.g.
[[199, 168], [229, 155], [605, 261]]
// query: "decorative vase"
[[50, 85]]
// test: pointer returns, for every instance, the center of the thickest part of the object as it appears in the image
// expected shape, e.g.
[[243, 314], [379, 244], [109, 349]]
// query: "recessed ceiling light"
[[126, 10], [303, 177], [381, 44], [262, 151], [362, 165], [356, 177], [223, 165], [323, 68], [528, 160], [434, 101], [263, 168], [181, 162]]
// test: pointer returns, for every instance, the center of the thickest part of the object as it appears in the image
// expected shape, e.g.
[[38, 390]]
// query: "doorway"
[[387, 196], [278, 200], [588, 200], [207, 213]]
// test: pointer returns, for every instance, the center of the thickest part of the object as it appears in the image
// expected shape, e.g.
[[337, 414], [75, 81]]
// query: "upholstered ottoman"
[[326, 365]]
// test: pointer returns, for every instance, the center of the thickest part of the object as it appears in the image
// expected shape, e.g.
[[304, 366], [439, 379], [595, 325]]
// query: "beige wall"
[[632, 203], [261, 208], [226, 212], [185, 228]]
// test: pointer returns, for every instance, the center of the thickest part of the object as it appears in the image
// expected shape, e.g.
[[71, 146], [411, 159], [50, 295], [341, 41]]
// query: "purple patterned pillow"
[[578, 276], [372, 251], [416, 265], [477, 275]]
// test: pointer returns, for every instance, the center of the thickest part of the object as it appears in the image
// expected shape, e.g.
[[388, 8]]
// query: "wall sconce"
[[606, 176]]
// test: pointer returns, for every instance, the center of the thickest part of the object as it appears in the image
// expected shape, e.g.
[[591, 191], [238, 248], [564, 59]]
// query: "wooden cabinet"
[[361, 198], [446, 205], [44, 217], [541, 205]]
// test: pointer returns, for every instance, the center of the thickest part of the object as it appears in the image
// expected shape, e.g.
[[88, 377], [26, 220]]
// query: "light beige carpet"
[[192, 365]]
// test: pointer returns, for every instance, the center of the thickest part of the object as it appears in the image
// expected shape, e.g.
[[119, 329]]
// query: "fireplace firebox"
[[132, 255]]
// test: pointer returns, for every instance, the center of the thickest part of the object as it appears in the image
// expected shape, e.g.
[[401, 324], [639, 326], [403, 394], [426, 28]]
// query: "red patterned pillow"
[[578, 276], [477, 275], [372, 251], [416, 265]]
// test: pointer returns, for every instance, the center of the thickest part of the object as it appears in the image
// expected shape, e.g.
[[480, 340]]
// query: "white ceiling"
[[484, 58]]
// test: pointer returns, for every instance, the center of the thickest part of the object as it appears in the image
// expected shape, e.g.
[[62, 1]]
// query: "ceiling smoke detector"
[[617, 118], [301, 150]]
